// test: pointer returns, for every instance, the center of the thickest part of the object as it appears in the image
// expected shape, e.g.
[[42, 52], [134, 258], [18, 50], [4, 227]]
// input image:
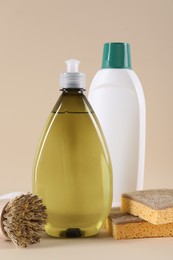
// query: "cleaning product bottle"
[[117, 98], [72, 172]]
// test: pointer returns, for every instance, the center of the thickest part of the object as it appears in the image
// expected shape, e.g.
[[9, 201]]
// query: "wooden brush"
[[23, 219]]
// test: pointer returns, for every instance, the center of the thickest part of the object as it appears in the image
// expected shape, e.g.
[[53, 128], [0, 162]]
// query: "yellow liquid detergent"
[[72, 171]]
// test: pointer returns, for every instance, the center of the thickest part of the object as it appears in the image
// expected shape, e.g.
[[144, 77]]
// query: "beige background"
[[36, 36]]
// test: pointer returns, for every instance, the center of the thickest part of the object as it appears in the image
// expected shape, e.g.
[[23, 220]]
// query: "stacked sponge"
[[147, 213]]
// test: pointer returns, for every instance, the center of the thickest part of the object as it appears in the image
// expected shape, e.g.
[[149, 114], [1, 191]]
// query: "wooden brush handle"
[[3, 204]]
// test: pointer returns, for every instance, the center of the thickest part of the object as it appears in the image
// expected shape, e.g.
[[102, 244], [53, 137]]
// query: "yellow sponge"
[[125, 226], [154, 206]]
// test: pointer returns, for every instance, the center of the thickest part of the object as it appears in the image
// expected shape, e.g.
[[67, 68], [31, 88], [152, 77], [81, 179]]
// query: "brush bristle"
[[24, 219]]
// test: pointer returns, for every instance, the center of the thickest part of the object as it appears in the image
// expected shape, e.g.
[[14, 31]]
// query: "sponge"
[[126, 226], [154, 206]]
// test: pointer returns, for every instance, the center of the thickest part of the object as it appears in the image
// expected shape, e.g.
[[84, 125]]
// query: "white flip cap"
[[72, 78]]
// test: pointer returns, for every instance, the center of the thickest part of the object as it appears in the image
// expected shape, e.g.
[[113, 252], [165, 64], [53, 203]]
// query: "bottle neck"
[[72, 91], [71, 101]]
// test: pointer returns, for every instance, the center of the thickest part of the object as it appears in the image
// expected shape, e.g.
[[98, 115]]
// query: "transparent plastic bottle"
[[117, 98], [72, 171]]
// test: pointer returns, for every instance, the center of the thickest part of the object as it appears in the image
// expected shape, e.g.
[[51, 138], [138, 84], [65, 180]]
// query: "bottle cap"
[[116, 55], [72, 78]]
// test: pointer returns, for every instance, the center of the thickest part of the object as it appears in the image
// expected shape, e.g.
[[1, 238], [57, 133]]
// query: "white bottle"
[[117, 98]]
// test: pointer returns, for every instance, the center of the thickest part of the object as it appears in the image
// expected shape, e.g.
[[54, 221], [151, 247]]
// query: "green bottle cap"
[[116, 55]]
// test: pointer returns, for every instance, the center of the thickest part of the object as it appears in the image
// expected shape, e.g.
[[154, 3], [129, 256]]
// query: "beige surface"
[[102, 247], [36, 36]]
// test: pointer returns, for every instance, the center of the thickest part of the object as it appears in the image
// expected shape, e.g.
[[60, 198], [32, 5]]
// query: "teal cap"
[[116, 55]]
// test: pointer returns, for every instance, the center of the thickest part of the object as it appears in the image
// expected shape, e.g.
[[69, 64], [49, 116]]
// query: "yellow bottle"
[[72, 171]]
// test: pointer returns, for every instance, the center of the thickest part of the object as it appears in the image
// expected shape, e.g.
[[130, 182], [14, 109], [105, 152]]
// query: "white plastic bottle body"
[[117, 98]]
